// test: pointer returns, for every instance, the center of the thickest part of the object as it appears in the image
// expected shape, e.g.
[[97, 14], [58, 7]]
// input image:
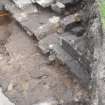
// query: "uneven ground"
[[25, 76]]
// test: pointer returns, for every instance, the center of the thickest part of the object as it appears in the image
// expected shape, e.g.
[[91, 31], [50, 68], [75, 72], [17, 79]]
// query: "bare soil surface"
[[25, 76]]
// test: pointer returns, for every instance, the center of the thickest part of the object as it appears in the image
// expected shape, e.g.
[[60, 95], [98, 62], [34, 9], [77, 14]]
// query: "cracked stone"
[[48, 42], [51, 26], [69, 21], [58, 7], [50, 101], [78, 31], [45, 3], [74, 50], [78, 71], [72, 2], [22, 3]]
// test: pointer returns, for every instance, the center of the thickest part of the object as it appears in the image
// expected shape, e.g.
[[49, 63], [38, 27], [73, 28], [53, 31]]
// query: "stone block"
[[44, 3], [72, 2], [22, 3], [47, 43], [76, 48], [50, 27], [78, 30], [69, 21], [72, 65], [58, 7]]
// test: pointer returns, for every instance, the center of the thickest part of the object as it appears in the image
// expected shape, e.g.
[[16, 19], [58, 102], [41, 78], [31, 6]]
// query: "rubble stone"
[[58, 7], [61, 55], [48, 42], [72, 65], [4, 100], [50, 101], [22, 3], [21, 14], [31, 21], [78, 31], [45, 3], [68, 21], [50, 27], [76, 48], [72, 2]]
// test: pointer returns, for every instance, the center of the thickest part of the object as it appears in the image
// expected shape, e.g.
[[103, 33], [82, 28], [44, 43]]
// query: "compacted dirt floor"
[[25, 75]]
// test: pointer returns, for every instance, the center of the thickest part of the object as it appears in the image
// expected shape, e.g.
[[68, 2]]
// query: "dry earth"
[[25, 76]]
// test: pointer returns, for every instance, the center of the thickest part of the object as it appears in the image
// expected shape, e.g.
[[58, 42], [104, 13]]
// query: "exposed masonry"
[[60, 35]]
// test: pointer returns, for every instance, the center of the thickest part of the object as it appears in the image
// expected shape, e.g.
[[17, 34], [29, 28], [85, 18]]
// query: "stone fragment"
[[21, 14], [50, 27], [79, 72], [29, 21], [4, 100], [1, 7], [45, 3], [10, 87], [61, 55], [72, 2], [78, 31], [50, 101], [69, 21], [76, 48], [58, 7], [52, 58], [72, 65], [47, 43], [22, 3]]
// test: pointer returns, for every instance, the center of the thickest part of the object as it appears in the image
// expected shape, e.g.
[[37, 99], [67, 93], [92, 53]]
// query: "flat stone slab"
[[73, 65], [72, 2], [30, 22], [61, 55], [76, 47], [69, 21]]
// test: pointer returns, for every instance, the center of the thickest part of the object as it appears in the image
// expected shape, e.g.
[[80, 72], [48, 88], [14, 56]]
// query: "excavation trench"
[[27, 77]]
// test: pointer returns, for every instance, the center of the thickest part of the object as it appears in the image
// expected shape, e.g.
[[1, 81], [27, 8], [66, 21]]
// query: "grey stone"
[[4, 100], [50, 27], [61, 55], [48, 42], [31, 21], [22, 3], [45, 3], [58, 7], [49, 101], [69, 21], [21, 14], [77, 70], [72, 65], [52, 58], [78, 30], [72, 2], [2, 7], [76, 48]]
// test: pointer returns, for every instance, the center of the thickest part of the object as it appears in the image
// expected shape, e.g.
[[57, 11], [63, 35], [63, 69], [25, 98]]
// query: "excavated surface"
[[26, 77], [25, 74]]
